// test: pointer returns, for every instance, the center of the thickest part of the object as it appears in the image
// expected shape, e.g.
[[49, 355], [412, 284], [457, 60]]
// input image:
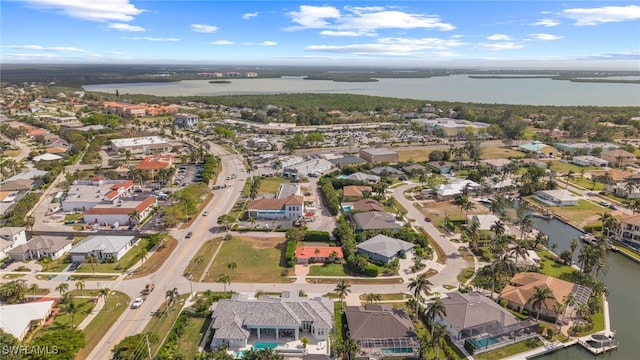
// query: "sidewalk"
[[92, 314]]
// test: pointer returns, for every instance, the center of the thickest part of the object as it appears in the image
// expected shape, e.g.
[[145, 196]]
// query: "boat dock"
[[599, 343]]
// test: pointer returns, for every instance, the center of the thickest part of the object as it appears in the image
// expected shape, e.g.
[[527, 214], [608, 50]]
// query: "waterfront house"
[[556, 197], [629, 231]]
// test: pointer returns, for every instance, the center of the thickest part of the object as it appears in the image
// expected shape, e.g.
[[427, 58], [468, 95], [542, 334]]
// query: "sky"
[[544, 34]]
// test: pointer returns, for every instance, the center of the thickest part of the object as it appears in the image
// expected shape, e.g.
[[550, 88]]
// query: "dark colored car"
[[189, 234], [427, 219]]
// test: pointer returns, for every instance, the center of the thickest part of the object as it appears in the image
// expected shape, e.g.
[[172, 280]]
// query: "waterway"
[[623, 281], [539, 91]]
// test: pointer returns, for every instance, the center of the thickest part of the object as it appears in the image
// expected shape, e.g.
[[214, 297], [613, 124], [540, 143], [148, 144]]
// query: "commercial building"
[[446, 127], [585, 147], [120, 213], [185, 120], [588, 160], [83, 195], [378, 155], [289, 208], [313, 168], [141, 145], [124, 110], [150, 165]]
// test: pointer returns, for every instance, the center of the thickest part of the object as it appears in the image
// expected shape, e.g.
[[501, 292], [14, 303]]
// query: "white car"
[[205, 213], [137, 303]]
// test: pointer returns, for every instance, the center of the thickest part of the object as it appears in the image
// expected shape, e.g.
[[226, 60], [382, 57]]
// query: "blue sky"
[[548, 34]]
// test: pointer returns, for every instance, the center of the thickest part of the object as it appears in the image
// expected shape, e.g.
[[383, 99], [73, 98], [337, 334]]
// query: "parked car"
[[137, 303], [7, 263], [189, 234], [613, 207], [74, 265], [205, 213], [427, 219]]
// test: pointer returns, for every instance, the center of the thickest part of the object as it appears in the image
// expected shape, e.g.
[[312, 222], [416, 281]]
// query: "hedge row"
[[291, 253], [315, 235]]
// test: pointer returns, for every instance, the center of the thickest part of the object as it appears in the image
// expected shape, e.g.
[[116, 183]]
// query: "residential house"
[[355, 192], [628, 231], [496, 164], [556, 197], [348, 160], [380, 326], [619, 157], [368, 178], [522, 287], [374, 220], [534, 162], [387, 171], [585, 147], [367, 205], [478, 324], [318, 254], [589, 160], [119, 213], [185, 120], [47, 157], [485, 223], [18, 319], [624, 189], [241, 320], [377, 155], [450, 190], [441, 167], [384, 248], [10, 238], [52, 247], [103, 247], [414, 169], [124, 110]]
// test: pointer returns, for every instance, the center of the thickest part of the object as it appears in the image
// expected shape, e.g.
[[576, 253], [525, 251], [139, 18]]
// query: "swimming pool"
[[264, 345], [488, 341], [401, 350], [347, 207]]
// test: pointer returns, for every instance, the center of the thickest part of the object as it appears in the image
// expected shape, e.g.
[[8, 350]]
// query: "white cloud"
[[546, 23], [267, 43], [500, 46], [313, 17], [394, 46], [148, 38], [221, 42], [344, 33], [30, 56], [545, 37], [92, 10], [125, 27], [605, 14], [499, 37], [202, 28], [43, 48], [248, 16]]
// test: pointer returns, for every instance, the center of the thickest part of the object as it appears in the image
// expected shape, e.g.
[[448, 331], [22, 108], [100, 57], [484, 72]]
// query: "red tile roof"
[[155, 162], [306, 252], [142, 206], [355, 190]]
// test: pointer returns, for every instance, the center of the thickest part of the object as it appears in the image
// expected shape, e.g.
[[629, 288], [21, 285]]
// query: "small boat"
[[544, 215], [589, 239]]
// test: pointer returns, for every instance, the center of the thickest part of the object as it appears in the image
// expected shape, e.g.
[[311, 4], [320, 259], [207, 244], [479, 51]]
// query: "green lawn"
[[587, 184], [329, 270], [510, 350], [598, 321], [626, 250], [128, 260], [563, 167], [162, 321], [257, 259], [63, 320], [465, 274], [55, 265], [500, 153], [551, 267], [579, 212], [271, 185], [193, 332], [198, 264]]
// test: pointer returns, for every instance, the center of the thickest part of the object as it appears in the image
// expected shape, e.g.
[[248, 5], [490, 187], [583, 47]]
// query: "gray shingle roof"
[[385, 245], [378, 322], [470, 310], [375, 220]]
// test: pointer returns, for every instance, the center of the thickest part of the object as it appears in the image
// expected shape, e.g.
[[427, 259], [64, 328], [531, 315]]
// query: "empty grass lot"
[[258, 259], [117, 303], [198, 264], [194, 330], [562, 167], [500, 153], [329, 270], [157, 258], [271, 185], [162, 321]]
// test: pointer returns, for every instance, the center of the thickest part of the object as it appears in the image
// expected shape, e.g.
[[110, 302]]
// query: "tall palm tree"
[[498, 228], [526, 224], [232, 266], [63, 287], [573, 246], [467, 205], [143, 256], [172, 296], [342, 289], [104, 293], [350, 348], [371, 298], [134, 217], [539, 299], [419, 285], [72, 309], [473, 232], [500, 267], [436, 308], [33, 288], [92, 260], [520, 250], [557, 308], [439, 333], [224, 279], [80, 285]]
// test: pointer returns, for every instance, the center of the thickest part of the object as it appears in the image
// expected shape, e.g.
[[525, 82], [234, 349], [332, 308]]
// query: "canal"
[[623, 281]]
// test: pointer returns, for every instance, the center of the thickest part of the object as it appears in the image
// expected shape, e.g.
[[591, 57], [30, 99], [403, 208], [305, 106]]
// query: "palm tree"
[[350, 348], [557, 308], [80, 285], [173, 296], [29, 222], [258, 293], [224, 279], [436, 308], [371, 298], [573, 246], [554, 248], [419, 285], [225, 220], [498, 228], [539, 299], [520, 249], [134, 217], [62, 288], [232, 266], [526, 224], [252, 221], [104, 293], [72, 309], [93, 260], [473, 232], [342, 289], [467, 205], [33, 288], [500, 267], [439, 333], [143, 256]]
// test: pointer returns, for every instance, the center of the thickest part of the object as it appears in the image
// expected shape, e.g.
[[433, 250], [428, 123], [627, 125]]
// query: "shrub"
[[291, 253], [314, 235], [371, 270]]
